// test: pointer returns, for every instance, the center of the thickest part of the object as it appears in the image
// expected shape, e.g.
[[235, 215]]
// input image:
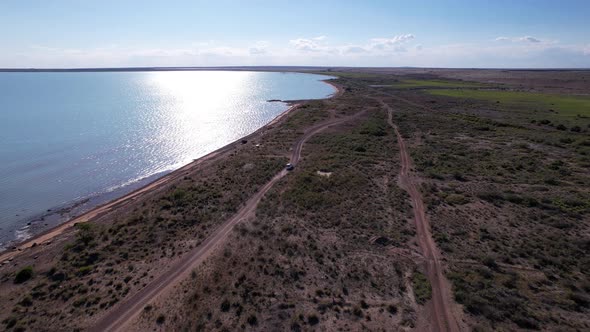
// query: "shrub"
[[373, 128], [161, 319], [456, 199], [392, 309], [364, 304], [252, 320], [10, 322], [84, 270], [357, 311], [422, 288], [526, 322], [551, 182], [23, 275], [85, 238], [313, 320], [225, 305], [581, 300], [26, 302], [566, 140], [492, 197]]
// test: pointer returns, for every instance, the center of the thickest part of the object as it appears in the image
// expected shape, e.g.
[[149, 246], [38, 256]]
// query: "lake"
[[70, 141]]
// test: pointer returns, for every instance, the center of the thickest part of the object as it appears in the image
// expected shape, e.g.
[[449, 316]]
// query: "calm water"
[[69, 137]]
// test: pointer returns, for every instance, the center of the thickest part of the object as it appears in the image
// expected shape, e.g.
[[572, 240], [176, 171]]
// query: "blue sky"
[[474, 33]]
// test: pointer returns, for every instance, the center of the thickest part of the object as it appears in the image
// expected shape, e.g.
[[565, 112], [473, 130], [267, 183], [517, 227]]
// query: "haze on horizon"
[[425, 33]]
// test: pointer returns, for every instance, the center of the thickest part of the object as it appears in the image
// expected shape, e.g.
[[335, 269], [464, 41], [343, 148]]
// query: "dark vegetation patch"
[[506, 185], [108, 259], [23, 275], [306, 259], [422, 287]]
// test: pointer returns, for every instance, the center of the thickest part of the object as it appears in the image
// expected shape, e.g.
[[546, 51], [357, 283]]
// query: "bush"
[[566, 140], [26, 302], [581, 300], [161, 319], [23, 275], [252, 320], [456, 199], [491, 263], [313, 320], [373, 128], [422, 288], [526, 322], [492, 197], [392, 309], [84, 270], [10, 322], [86, 236], [225, 305]]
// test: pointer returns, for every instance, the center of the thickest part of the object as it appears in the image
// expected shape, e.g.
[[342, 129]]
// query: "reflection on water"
[[67, 136]]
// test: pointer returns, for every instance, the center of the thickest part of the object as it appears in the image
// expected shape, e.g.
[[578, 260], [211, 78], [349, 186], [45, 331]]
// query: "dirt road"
[[126, 311], [443, 317], [134, 195]]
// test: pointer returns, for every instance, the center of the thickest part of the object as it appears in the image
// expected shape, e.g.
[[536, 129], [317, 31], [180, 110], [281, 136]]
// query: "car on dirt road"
[[289, 167]]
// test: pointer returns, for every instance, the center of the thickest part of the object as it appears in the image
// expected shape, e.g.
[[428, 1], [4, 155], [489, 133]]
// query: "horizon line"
[[276, 67]]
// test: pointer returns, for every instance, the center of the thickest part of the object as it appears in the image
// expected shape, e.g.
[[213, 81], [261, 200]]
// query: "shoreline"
[[15, 248], [339, 90], [101, 209]]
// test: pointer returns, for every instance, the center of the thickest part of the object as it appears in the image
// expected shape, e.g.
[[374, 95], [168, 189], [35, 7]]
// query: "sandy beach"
[[44, 237], [102, 209]]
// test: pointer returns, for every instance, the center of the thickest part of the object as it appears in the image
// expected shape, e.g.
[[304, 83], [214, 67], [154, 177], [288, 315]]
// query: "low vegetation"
[[23, 275], [504, 174], [422, 83], [422, 288], [559, 104]]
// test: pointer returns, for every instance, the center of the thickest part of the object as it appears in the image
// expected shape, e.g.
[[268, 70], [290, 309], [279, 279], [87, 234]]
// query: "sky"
[[418, 33]]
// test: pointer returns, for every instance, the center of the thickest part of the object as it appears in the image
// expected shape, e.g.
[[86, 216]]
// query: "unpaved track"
[[443, 318], [126, 311], [134, 195]]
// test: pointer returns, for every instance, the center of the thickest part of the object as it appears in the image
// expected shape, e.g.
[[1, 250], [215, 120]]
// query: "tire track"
[[126, 311], [442, 301]]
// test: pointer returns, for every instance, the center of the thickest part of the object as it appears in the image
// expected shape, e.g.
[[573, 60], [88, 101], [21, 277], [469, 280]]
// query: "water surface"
[[69, 137]]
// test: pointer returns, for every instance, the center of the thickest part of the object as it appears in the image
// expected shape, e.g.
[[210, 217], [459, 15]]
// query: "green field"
[[563, 105], [414, 84], [347, 74]]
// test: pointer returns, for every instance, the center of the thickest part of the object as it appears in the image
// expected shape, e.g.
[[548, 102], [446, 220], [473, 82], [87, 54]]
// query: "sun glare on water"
[[197, 106]]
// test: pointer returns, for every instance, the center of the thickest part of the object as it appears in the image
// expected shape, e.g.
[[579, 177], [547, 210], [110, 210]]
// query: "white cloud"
[[526, 39], [400, 50], [314, 44], [529, 39], [374, 46], [391, 43], [303, 44]]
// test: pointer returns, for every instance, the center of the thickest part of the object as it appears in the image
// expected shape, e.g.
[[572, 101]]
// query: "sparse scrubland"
[[503, 165]]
